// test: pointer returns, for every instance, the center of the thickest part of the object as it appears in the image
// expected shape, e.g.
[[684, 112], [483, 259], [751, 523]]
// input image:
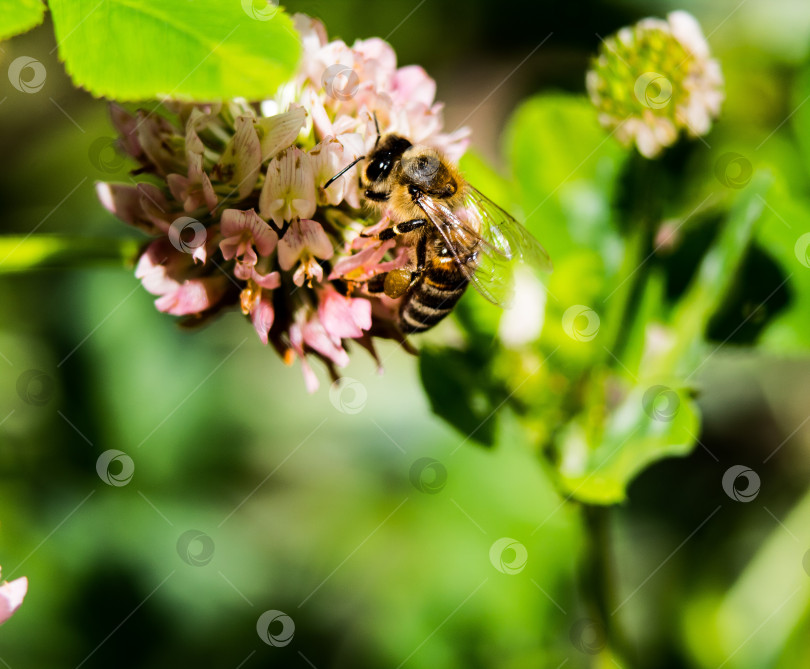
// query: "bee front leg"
[[400, 229]]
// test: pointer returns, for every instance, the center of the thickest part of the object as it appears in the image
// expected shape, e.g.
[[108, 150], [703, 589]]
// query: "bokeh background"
[[364, 517]]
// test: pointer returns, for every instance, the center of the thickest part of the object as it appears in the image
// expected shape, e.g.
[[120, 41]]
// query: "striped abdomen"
[[433, 297]]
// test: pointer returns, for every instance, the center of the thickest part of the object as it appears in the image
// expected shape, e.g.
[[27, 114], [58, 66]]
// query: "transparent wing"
[[483, 264], [492, 236], [503, 232]]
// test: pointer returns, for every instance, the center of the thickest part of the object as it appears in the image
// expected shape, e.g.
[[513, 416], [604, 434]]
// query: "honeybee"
[[459, 235]]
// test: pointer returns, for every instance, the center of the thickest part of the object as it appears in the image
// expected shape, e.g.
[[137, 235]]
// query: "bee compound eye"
[[379, 167]]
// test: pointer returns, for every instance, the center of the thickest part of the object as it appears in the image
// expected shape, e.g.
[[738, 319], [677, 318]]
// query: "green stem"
[[600, 582], [619, 316], [620, 306], [629, 281], [20, 253], [644, 181]]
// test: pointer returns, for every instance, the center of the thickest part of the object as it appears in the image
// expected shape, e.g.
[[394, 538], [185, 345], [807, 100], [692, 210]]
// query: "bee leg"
[[376, 284], [394, 283], [421, 250], [402, 228], [400, 281], [397, 282], [342, 287]]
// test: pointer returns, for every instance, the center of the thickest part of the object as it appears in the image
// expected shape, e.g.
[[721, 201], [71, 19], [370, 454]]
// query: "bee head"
[[381, 161]]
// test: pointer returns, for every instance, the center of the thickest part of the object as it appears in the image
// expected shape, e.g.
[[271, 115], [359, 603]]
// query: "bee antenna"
[[343, 171], [377, 126]]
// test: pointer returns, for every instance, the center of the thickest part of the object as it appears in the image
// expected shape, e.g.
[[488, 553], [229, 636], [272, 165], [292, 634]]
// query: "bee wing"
[[502, 231], [489, 273]]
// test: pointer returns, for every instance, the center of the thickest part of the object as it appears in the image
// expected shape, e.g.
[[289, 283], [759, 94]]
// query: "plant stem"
[[600, 582], [620, 305], [630, 276], [644, 183]]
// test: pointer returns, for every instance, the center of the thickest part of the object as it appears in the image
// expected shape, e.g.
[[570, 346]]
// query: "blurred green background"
[[381, 559]]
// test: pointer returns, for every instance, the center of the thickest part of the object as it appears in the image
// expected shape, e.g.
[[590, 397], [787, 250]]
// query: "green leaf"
[[205, 50], [800, 119], [566, 167], [785, 235], [479, 317], [648, 313], [485, 178], [461, 391], [771, 589], [26, 253], [718, 270], [651, 423], [20, 16]]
